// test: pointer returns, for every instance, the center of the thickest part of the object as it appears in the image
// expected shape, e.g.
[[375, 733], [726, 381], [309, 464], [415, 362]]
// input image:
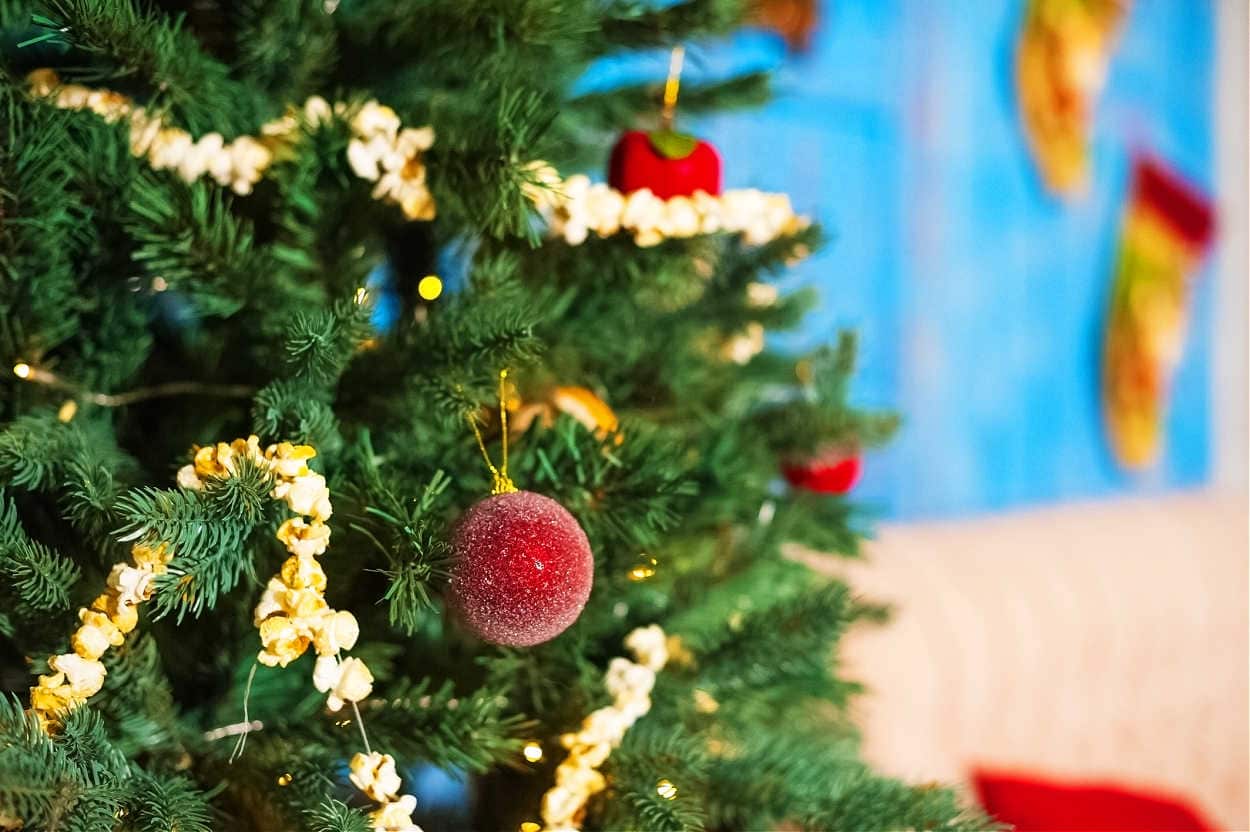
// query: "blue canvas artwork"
[[979, 297]]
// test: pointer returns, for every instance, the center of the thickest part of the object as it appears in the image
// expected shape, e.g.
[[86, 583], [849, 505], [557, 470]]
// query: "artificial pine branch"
[[125, 43], [188, 237], [125, 293], [36, 579]]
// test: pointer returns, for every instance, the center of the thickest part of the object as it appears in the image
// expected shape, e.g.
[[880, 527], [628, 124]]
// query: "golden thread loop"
[[672, 85], [501, 483], [503, 419]]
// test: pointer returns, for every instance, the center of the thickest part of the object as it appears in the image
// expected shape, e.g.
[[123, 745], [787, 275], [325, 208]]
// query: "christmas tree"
[[275, 275]]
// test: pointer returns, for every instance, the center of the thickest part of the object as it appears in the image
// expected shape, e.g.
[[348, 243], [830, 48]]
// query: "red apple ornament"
[[832, 471], [522, 569], [669, 164]]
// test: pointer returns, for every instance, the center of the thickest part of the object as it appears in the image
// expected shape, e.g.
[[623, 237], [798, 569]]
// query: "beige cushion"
[[1104, 641]]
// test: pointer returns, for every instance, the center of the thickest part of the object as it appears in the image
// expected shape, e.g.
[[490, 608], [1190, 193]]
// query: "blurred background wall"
[[1055, 616], [980, 298]]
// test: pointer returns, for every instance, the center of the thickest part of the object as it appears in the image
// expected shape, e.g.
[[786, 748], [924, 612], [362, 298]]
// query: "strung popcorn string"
[[630, 683], [574, 207], [381, 149], [241, 742], [79, 675], [292, 614]]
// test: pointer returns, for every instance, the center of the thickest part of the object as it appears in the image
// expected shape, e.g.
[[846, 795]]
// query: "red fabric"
[[1174, 200], [1035, 805]]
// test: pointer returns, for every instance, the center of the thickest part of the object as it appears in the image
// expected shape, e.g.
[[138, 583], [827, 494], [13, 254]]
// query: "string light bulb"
[[285, 779], [22, 370], [643, 571], [666, 789], [530, 826], [533, 752], [430, 287], [362, 295]]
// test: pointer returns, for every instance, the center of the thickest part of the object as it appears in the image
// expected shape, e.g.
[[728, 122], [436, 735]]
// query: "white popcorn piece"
[[681, 219], [744, 346], [363, 159], [649, 646], [132, 585], [168, 147], [268, 604], [627, 681], [85, 676], [90, 642], [560, 805], [376, 119], [343, 681], [761, 295], [396, 816], [375, 775], [337, 630], [307, 495], [605, 725], [187, 478], [317, 111]]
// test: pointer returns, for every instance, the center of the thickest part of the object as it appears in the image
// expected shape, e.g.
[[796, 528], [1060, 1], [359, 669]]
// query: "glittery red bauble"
[[522, 570], [832, 472], [669, 164]]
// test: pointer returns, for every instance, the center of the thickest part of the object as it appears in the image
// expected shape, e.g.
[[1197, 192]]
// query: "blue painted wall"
[[978, 297]]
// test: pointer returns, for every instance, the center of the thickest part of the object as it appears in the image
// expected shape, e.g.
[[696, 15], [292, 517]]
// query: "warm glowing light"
[[285, 779], [159, 284], [533, 752], [643, 571], [21, 369], [666, 789], [430, 287], [67, 410], [362, 294], [530, 826]]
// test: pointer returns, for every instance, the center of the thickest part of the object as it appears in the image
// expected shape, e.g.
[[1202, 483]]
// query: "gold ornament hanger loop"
[[672, 85], [501, 483]]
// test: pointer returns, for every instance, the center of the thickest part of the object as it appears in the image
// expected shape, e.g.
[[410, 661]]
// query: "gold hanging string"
[[672, 86], [501, 483]]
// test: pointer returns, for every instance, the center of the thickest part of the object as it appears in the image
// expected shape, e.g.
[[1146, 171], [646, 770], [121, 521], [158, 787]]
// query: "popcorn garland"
[[79, 675], [630, 683], [292, 614], [390, 155], [381, 150], [574, 207]]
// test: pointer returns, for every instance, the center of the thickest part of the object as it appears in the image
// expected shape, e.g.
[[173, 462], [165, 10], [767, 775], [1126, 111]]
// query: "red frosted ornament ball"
[[669, 164], [834, 471], [522, 569]]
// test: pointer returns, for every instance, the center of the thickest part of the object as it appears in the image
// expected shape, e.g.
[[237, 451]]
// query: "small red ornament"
[[834, 471], [669, 164], [522, 570]]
